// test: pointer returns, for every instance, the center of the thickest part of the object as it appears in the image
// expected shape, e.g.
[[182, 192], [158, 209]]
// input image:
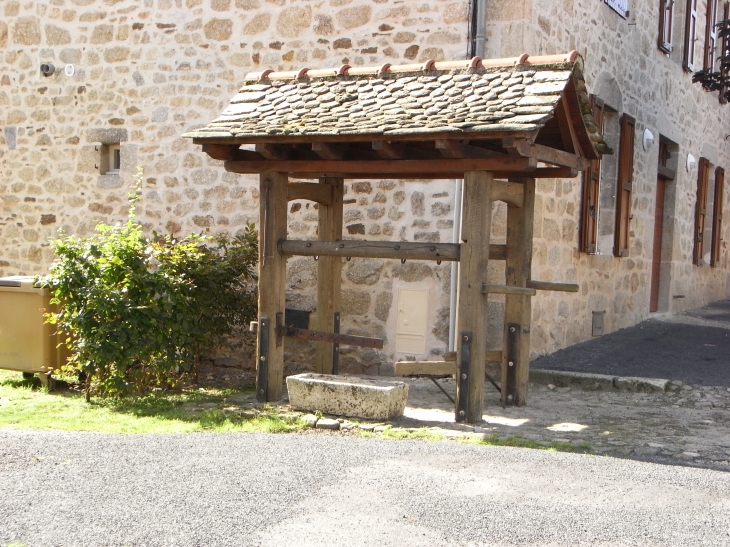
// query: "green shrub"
[[141, 312]]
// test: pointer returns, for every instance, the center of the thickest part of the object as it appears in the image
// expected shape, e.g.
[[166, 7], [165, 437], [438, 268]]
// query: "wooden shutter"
[[725, 48], [690, 35], [701, 210], [666, 19], [591, 184], [710, 52], [624, 186], [717, 216]]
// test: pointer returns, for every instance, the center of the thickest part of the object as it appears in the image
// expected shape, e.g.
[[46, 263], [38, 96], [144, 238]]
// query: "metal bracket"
[[279, 325], [262, 365], [336, 346], [513, 347], [464, 378]]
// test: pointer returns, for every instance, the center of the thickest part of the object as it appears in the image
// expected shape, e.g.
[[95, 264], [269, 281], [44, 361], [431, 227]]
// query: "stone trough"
[[347, 396]]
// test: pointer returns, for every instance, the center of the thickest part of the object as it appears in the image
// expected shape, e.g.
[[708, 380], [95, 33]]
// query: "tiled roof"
[[474, 97]]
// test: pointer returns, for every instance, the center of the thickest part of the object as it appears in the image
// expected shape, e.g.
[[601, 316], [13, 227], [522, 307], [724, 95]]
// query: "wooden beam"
[[512, 176], [272, 152], [567, 131], [404, 368], [319, 193], [518, 307], [509, 192], [505, 289], [451, 148], [329, 271], [397, 151], [272, 280], [550, 155], [472, 314], [443, 166], [372, 249], [448, 252], [230, 152], [547, 286], [544, 173], [328, 151]]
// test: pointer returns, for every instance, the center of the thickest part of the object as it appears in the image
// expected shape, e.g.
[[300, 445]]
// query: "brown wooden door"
[[656, 253]]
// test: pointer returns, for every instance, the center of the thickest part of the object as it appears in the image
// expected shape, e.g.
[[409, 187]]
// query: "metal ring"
[[438, 263], [402, 260], [316, 257], [349, 258]]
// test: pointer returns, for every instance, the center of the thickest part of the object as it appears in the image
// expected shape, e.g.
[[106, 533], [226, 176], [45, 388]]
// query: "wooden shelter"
[[498, 124]]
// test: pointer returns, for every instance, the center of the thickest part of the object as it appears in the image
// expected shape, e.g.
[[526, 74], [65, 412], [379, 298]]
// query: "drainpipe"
[[477, 47], [478, 28], [453, 303]]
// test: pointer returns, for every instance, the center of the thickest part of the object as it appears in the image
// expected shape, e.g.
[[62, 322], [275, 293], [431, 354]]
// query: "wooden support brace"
[[319, 193], [461, 149], [550, 155], [328, 151], [505, 289], [273, 152], [509, 192], [546, 286]]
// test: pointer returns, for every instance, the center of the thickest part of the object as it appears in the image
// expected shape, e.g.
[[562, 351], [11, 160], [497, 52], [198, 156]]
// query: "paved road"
[[693, 347], [62, 489]]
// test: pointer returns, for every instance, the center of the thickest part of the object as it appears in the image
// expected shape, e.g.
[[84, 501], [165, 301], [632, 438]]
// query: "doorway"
[[656, 253], [663, 226]]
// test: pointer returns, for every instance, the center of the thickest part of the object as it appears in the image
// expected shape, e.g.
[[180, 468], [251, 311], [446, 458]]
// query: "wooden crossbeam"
[[404, 368], [448, 252], [328, 151], [329, 337], [274, 152], [448, 167], [488, 288], [319, 193], [547, 286]]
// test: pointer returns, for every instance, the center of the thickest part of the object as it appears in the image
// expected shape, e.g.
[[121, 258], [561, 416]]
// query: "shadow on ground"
[[693, 347]]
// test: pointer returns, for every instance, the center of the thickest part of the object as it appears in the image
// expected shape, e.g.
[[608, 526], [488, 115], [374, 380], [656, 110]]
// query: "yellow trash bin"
[[27, 343]]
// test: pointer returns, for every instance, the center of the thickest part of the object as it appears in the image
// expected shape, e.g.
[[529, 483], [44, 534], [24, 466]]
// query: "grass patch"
[[520, 442], [422, 433], [24, 404]]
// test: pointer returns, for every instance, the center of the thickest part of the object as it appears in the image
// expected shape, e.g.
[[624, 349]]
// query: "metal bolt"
[[462, 413], [309, 244], [397, 247], [511, 329], [433, 248], [342, 245], [511, 363], [465, 338], [463, 376], [263, 358], [509, 398], [261, 391]]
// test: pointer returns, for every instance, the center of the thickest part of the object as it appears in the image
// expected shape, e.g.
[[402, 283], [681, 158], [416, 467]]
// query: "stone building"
[[124, 79]]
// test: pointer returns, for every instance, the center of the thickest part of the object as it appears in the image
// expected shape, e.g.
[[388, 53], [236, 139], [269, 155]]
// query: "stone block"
[[347, 396]]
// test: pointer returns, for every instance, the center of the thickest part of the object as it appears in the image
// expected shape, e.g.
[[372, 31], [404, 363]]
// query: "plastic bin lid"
[[20, 283]]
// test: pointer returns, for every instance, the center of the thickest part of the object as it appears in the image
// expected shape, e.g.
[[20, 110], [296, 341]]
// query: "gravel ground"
[[79, 489], [693, 347]]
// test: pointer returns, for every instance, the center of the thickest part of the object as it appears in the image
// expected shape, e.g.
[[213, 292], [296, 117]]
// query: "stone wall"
[[624, 66], [147, 71]]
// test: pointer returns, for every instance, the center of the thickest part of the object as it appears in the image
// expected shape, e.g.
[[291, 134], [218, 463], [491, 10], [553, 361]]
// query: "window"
[[690, 36], [725, 45], [111, 159], [619, 6], [710, 36], [666, 18], [624, 186], [701, 210], [717, 216], [591, 185]]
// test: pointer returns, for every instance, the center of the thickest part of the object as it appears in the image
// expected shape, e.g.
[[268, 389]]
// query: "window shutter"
[[710, 36], [690, 35], [717, 216], [591, 185], [624, 186], [701, 210], [725, 51], [666, 19]]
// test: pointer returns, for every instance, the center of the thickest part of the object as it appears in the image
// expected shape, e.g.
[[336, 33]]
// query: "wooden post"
[[272, 281], [472, 320], [328, 272], [518, 308]]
